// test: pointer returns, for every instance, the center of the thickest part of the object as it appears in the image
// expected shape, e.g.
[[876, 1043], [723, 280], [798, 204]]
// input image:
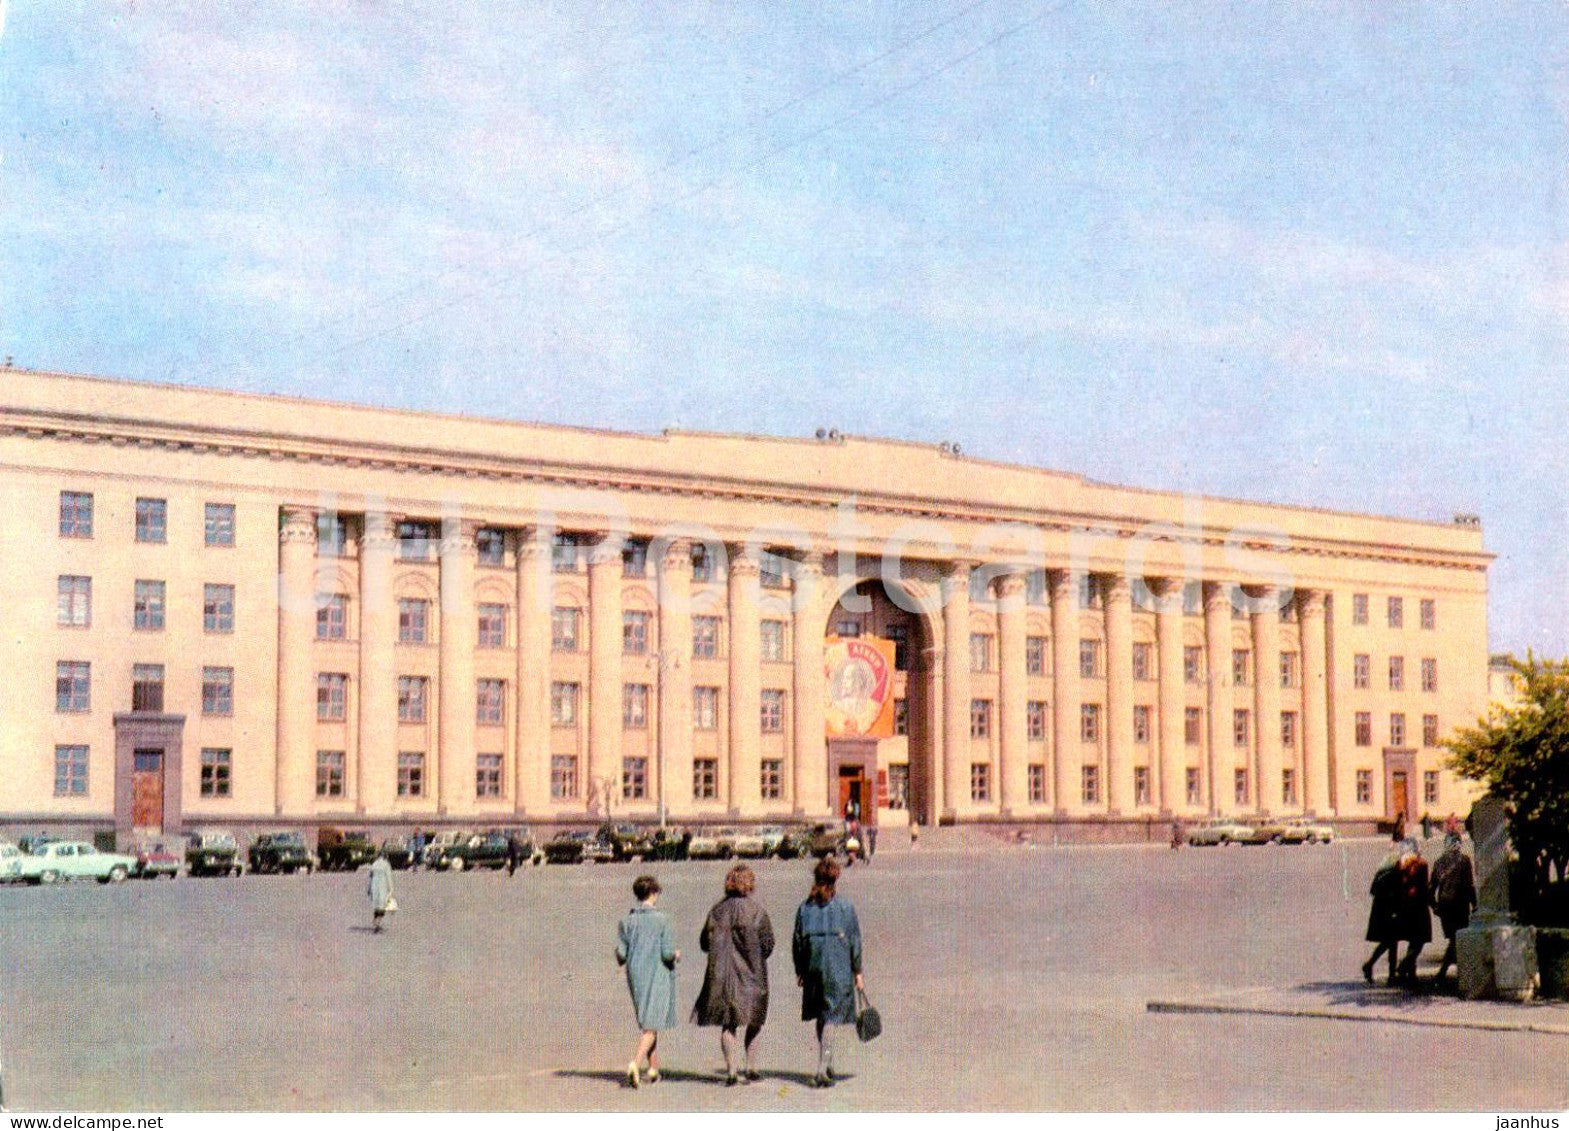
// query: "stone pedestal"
[[1496, 956]]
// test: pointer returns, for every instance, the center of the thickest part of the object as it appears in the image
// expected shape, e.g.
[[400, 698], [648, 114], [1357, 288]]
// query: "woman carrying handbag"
[[826, 948]]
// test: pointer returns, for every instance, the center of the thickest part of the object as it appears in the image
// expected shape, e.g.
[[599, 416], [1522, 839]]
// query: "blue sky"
[[1312, 253]]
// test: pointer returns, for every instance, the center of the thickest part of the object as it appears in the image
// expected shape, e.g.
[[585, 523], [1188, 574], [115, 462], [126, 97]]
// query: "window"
[[900, 635], [492, 627], [218, 608], [634, 775], [1141, 724], [1239, 667], [773, 701], [1193, 725], [901, 716], [332, 617], [329, 773], [898, 785], [1288, 730], [411, 698], [1089, 722], [771, 571], [702, 564], [1429, 730], [847, 628], [1396, 612], [70, 770], [1239, 727], [490, 546], [705, 779], [416, 540], [1240, 786], [1192, 664], [147, 606], [1037, 783], [1397, 729], [1397, 673], [217, 691], [566, 556], [705, 708], [1364, 728], [772, 639], [1429, 613], [332, 697], [1359, 608], [980, 718], [980, 781], [563, 777], [1195, 796], [1035, 587], [1089, 658], [152, 520], [564, 629], [72, 686], [634, 632], [1035, 720], [980, 652], [1430, 787], [1089, 592], [705, 638], [411, 774], [413, 621], [490, 708], [1141, 785], [1364, 787], [563, 707], [1429, 674], [74, 604], [487, 775], [1143, 661], [1090, 777], [1288, 669], [772, 779], [216, 766], [1193, 598], [634, 562], [76, 514], [1035, 655], [218, 525], [1288, 787], [634, 706], [147, 687], [1361, 670], [332, 535]]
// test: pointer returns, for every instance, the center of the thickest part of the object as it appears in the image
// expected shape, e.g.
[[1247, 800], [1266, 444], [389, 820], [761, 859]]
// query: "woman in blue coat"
[[644, 945], [827, 953]]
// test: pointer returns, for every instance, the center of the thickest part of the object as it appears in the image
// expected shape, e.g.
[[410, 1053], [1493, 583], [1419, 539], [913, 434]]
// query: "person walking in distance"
[[1383, 922], [646, 947], [1453, 894], [739, 938], [826, 948], [379, 888], [1416, 924]]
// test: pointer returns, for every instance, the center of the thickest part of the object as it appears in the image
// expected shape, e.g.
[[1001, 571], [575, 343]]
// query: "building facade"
[[265, 611]]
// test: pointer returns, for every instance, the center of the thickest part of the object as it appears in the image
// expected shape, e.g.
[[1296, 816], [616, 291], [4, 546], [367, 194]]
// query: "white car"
[[11, 858], [1221, 832], [749, 843], [73, 859], [1314, 832]]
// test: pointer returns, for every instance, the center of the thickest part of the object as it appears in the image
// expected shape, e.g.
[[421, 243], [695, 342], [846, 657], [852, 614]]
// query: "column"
[[455, 739], [809, 764], [531, 758], [935, 664], [673, 773], [377, 758], [295, 787], [1315, 702], [1172, 695], [1013, 769], [956, 687], [745, 774], [1118, 601], [1065, 745], [602, 783], [1266, 695], [1218, 703]]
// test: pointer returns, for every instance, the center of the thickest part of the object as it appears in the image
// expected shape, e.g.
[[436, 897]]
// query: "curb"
[[1341, 1015]]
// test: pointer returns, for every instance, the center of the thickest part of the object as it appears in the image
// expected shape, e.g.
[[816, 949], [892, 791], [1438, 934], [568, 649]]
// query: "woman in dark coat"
[[738, 938], [1453, 891], [827, 952], [1416, 924], [1383, 920]]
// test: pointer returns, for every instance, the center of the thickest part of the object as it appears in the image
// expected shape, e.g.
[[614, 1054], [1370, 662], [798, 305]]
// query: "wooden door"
[[147, 789], [1397, 793]]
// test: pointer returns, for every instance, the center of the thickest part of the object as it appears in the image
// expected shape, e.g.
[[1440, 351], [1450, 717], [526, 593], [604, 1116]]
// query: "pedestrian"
[[738, 938], [1453, 893], [826, 948], [645, 946], [1383, 922], [1452, 824], [1176, 832], [380, 891], [871, 841], [1416, 924], [514, 854], [418, 857], [1427, 826], [915, 832], [1399, 833]]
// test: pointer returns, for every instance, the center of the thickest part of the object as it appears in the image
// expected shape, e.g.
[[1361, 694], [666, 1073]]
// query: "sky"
[[1309, 253]]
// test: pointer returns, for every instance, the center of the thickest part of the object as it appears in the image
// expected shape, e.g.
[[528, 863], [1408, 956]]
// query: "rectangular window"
[[563, 777], [492, 631], [72, 686], [564, 629], [1288, 787], [1037, 783], [773, 702], [152, 520], [702, 564], [634, 632], [1396, 612], [1193, 598], [1141, 785], [147, 606], [216, 768], [773, 779], [634, 706], [705, 638], [1240, 786], [900, 635], [411, 774], [490, 702], [1035, 587], [147, 687], [332, 617], [1239, 667], [1035, 655], [1089, 592], [487, 775], [980, 652], [847, 628], [1239, 727], [1359, 608], [1397, 673], [1195, 795], [218, 608], [74, 603], [332, 535], [76, 514], [1288, 730], [1364, 728], [1090, 777], [1288, 669], [1143, 661], [1429, 730], [217, 691], [566, 556], [705, 708], [332, 697], [563, 706], [413, 621], [1397, 729], [772, 640], [490, 546], [1035, 720], [980, 718], [1193, 725], [1361, 671], [1089, 722], [70, 770], [1364, 787], [1429, 613], [634, 774], [218, 524], [417, 540], [901, 716], [411, 698], [980, 781], [329, 773], [1429, 674], [634, 558], [1192, 664], [898, 785], [771, 571], [1141, 724], [1430, 787], [705, 779], [1089, 658]]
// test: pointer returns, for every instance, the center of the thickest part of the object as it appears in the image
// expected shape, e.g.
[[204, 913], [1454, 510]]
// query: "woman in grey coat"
[[827, 952], [380, 890], [738, 938], [645, 946]]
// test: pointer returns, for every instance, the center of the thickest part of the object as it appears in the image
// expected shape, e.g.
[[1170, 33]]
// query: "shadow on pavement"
[[681, 1076], [1423, 994]]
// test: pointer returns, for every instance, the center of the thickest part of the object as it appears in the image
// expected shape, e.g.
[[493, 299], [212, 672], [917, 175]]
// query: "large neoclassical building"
[[260, 611]]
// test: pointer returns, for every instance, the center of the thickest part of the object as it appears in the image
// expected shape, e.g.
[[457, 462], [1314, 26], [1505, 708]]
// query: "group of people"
[[1404, 891], [739, 939]]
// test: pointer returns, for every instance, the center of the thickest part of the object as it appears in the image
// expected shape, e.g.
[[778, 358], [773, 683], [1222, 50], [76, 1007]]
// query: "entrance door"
[[1397, 793], [147, 789], [853, 786]]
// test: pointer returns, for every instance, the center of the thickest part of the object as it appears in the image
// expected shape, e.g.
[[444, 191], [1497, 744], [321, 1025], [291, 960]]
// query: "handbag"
[[392, 905], [868, 1022]]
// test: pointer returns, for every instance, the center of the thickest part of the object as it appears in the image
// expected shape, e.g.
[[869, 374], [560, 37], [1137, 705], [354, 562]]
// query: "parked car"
[[399, 851], [440, 842], [773, 839], [1277, 830], [10, 863], [213, 852], [1222, 832], [795, 842], [711, 844], [824, 840], [749, 844], [157, 857], [340, 851], [669, 844], [478, 850], [73, 859], [1315, 832], [32, 845], [567, 847], [627, 842], [281, 852]]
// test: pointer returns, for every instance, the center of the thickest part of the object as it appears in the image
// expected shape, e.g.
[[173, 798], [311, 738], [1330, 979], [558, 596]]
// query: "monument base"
[[1496, 961]]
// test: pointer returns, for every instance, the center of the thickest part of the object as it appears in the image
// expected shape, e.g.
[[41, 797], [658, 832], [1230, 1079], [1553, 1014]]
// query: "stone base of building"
[[1497, 961]]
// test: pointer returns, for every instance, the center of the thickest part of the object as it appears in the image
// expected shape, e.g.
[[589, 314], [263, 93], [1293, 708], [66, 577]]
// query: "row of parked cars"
[[1286, 830]]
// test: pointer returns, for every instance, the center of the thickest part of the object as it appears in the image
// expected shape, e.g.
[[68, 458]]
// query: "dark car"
[[524, 845], [477, 850], [213, 852], [341, 851], [399, 851], [794, 843], [669, 844], [281, 852], [627, 842], [824, 840], [156, 858]]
